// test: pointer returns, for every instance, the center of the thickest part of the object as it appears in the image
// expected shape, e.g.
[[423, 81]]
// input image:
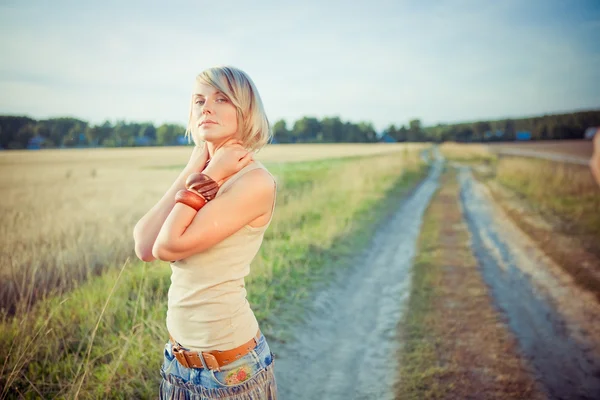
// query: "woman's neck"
[[214, 146]]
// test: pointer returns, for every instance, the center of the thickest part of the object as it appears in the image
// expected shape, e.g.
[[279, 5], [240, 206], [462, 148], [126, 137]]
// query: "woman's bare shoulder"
[[259, 178]]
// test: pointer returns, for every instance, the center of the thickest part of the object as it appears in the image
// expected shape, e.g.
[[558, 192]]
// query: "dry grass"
[[103, 339], [467, 152], [561, 189], [58, 205]]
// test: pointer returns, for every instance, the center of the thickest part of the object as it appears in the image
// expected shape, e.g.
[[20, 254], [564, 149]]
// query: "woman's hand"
[[198, 158], [227, 160]]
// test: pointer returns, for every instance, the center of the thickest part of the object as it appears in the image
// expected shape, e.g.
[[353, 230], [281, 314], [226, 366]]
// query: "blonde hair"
[[253, 126]]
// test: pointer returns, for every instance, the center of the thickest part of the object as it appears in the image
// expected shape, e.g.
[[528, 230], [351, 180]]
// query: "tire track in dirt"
[[347, 347], [557, 323]]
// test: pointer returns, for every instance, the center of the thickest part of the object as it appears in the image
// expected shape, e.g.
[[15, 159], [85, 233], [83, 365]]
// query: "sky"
[[384, 62]]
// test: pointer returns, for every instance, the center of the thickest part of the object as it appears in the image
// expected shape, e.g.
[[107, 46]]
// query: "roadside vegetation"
[[67, 215], [103, 337]]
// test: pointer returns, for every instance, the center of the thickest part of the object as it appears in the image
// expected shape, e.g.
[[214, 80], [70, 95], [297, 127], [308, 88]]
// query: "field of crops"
[[83, 318], [580, 148], [78, 318]]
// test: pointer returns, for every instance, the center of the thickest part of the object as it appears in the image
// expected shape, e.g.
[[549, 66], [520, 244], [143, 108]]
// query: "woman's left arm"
[[186, 232]]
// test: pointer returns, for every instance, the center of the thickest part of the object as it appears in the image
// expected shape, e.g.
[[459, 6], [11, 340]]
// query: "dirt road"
[[572, 151], [544, 155], [347, 347], [556, 322]]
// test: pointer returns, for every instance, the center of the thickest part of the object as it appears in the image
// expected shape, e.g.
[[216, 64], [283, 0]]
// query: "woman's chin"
[[217, 138]]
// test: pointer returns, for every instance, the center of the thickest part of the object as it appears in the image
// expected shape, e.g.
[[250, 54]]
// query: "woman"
[[210, 225]]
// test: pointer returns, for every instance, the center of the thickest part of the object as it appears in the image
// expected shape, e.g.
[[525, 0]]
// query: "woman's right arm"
[[147, 229]]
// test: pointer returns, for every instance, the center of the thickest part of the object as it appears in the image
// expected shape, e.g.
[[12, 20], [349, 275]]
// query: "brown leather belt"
[[212, 359]]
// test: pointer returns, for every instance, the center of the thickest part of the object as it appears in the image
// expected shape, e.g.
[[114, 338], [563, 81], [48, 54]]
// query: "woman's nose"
[[206, 109]]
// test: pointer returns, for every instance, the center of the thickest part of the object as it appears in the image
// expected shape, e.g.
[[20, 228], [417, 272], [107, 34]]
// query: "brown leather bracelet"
[[190, 199], [203, 185]]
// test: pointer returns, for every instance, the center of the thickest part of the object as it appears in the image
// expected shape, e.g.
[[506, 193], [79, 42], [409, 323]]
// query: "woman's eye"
[[199, 102], [222, 100]]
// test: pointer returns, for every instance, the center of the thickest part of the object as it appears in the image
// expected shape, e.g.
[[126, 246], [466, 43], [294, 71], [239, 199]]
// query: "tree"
[[147, 130], [402, 134], [306, 129], [332, 129], [281, 133], [366, 132], [167, 134], [23, 136], [510, 133], [479, 130], [414, 131]]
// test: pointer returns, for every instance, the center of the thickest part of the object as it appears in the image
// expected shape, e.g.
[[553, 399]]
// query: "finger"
[[241, 153], [247, 159]]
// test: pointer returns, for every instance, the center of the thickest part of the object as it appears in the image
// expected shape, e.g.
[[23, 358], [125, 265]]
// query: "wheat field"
[[67, 214], [69, 218]]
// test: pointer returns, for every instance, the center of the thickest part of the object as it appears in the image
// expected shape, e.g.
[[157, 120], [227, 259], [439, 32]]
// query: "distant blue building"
[[35, 143], [142, 141], [386, 138], [491, 134], [523, 135]]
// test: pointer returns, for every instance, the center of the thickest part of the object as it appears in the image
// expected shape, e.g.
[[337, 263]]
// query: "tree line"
[[20, 132], [547, 127]]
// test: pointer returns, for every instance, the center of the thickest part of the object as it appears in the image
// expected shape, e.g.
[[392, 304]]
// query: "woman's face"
[[214, 117]]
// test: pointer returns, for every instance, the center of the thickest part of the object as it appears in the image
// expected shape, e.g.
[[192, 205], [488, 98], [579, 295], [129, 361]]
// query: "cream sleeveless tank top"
[[207, 305]]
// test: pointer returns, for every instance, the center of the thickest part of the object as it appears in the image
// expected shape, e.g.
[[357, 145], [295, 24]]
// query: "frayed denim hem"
[[260, 387]]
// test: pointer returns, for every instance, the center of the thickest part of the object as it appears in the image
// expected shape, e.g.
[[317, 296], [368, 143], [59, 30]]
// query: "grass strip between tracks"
[[455, 344]]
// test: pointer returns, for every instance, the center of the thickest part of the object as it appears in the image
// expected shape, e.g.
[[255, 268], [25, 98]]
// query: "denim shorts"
[[249, 378]]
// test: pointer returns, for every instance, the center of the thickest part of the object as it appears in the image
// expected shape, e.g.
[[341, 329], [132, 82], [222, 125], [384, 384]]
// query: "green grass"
[[420, 372], [104, 339]]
